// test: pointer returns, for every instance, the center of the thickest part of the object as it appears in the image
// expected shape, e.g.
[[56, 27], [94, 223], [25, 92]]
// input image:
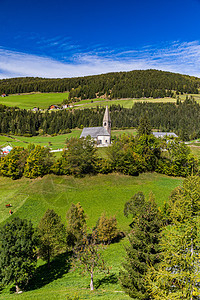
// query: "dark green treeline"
[[183, 119], [134, 84]]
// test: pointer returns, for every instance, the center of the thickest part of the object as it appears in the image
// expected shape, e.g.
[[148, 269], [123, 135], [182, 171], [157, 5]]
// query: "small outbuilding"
[[165, 134]]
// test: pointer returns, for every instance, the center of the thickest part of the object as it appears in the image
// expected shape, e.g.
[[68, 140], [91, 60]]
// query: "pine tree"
[[178, 274], [143, 250], [144, 127]]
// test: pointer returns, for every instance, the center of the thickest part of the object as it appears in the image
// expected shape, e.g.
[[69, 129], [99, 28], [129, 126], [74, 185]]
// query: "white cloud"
[[175, 57]]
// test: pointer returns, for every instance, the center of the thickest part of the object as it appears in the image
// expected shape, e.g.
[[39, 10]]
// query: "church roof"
[[94, 132]]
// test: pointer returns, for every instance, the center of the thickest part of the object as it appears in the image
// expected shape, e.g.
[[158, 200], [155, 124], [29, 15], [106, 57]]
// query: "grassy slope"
[[28, 101], [31, 198], [56, 141]]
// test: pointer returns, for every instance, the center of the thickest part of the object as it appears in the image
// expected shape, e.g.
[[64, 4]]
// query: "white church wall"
[[104, 140]]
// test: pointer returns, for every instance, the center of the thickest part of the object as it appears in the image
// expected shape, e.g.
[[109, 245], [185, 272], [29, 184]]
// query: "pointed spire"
[[107, 120]]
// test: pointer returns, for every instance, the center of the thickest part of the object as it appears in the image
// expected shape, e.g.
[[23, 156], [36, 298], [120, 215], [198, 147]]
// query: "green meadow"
[[127, 103], [97, 194], [54, 142], [29, 101]]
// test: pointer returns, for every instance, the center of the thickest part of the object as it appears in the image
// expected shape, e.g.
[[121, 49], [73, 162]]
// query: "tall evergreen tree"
[[143, 249], [144, 127], [178, 274]]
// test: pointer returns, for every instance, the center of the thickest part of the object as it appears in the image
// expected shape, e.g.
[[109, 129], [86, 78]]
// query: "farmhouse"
[[54, 106], [102, 135]]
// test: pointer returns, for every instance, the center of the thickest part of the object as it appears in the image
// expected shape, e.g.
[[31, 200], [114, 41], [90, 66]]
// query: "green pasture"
[[128, 131], [29, 101], [54, 142], [97, 194], [127, 103], [31, 198]]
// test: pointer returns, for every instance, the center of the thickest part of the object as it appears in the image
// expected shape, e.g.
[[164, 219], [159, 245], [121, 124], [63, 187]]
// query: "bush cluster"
[[128, 155]]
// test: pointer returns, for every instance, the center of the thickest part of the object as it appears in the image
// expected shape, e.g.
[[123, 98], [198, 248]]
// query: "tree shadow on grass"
[[111, 279], [42, 276]]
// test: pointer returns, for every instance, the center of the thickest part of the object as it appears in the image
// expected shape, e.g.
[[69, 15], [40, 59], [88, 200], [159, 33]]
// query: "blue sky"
[[62, 38]]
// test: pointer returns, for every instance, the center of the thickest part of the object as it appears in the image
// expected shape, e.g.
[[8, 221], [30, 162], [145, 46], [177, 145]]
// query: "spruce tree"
[[144, 127], [143, 250]]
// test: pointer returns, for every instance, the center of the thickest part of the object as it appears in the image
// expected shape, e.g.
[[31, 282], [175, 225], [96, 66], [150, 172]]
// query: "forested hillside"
[[134, 84], [183, 118]]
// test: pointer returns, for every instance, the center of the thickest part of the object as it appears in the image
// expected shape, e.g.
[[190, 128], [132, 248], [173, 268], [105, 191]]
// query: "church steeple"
[[107, 120]]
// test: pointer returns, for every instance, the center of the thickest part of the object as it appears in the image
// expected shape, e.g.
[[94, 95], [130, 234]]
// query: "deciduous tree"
[[107, 229], [12, 165], [52, 236], [79, 158], [88, 257], [38, 162], [76, 224]]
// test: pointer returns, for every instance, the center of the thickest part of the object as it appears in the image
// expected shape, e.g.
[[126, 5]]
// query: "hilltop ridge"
[[132, 84]]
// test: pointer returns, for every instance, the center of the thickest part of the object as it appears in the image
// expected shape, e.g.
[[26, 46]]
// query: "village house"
[[102, 135], [54, 106]]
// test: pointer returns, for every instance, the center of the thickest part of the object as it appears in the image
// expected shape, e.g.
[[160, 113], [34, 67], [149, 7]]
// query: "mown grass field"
[[54, 142], [31, 198], [29, 101], [44, 100], [127, 103]]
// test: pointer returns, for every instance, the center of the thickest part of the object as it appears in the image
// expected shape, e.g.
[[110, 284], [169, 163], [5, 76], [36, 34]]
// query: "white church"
[[102, 135]]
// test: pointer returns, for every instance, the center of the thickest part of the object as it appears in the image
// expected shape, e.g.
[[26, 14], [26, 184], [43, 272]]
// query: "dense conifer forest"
[[134, 84], [183, 118]]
